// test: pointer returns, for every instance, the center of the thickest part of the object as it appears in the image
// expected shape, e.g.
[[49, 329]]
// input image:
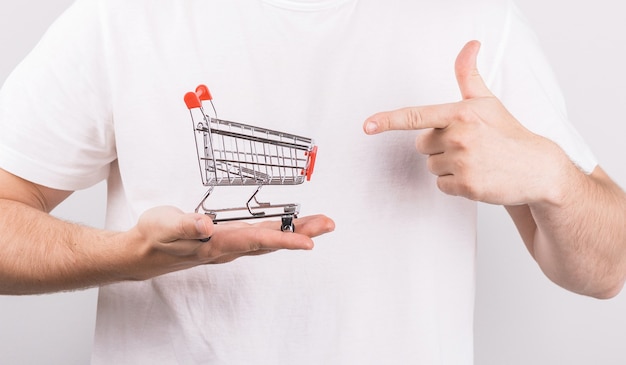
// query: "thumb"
[[470, 82], [169, 224]]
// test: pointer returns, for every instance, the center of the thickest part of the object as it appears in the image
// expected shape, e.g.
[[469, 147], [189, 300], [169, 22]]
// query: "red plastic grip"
[[311, 163], [192, 100], [203, 92]]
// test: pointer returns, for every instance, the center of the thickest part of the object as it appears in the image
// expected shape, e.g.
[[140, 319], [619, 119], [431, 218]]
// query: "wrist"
[[145, 258], [563, 182], [136, 256]]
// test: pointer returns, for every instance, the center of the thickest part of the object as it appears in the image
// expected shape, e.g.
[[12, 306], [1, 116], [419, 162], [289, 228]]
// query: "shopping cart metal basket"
[[237, 154]]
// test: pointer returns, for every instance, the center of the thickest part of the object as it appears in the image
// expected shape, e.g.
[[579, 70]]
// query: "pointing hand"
[[475, 146]]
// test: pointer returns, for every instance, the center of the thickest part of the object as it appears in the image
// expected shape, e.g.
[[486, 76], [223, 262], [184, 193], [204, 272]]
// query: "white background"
[[521, 317]]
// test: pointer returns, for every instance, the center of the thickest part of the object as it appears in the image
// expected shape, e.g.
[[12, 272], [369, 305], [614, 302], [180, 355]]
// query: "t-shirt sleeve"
[[55, 116], [525, 82]]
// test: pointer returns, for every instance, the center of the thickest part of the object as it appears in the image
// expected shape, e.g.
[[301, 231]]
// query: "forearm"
[[579, 237], [39, 253]]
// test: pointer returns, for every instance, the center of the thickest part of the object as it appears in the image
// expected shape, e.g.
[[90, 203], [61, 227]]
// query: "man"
[[100, 97]]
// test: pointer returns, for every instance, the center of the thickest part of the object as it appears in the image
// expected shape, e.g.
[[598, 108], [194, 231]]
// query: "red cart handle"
[[312, 154], [203, 92], [194, 99]]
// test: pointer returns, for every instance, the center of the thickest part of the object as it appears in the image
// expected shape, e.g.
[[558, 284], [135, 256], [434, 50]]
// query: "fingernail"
[[371, 127], [201, 227]]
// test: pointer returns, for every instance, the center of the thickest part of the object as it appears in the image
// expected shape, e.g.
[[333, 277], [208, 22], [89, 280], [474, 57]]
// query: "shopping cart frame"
[[238, 154]]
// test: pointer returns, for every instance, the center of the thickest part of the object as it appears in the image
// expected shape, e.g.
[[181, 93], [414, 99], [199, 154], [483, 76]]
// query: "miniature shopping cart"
[[237, 154]]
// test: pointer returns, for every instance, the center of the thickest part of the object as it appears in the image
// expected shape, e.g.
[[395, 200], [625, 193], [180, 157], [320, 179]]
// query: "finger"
[[192, 226], [184, 234], [430, 142], [231, 257], [312, 226], [468, 78], [169, 224], [412, 118], [244, 241], [447, 185], [315, 225], [230, 241], [439, 164]]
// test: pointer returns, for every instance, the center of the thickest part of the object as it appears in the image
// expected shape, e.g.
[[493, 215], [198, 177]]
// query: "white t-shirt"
[[101, 97]]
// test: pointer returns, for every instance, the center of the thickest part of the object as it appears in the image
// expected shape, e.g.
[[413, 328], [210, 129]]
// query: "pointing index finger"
[[411, 118]]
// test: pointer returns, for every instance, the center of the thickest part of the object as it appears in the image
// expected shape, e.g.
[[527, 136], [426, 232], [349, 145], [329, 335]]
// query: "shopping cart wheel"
[[287, 224]]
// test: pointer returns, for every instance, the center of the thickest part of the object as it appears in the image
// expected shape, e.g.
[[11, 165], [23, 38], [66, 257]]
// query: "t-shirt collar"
[[305, 5]]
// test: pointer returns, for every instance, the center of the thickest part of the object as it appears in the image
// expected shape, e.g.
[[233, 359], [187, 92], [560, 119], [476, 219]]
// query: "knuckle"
[[413, 118], [468, 189], [458, 141], [460, 185], [382, 122], [466, 114], [466, 138]]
